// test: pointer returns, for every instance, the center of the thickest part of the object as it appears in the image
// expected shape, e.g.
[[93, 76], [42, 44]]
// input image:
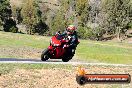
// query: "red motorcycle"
[[58, 49]]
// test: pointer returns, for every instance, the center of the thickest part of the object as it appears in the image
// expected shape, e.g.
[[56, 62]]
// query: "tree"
[[58, 23], [61, 18], [82, 11], [41, 27], [31, 15], [5, 9], [118, 16], [1, 24], [9, 24], [16, 13]]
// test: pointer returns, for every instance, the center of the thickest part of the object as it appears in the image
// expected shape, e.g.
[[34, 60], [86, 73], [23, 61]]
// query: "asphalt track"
[[55, 61]]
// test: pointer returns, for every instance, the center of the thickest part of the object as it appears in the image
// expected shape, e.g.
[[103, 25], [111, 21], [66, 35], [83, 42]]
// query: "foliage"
[[85, 32], [58, 20], [32, 18], [9, 24], [29, 15], [94, 18], [58, 23], [102, 17], [5, 9], [118, 16], [66, 15], [18, 15], [130, 25], [82, 11], [14, 29], [41, 27], [0, 22]]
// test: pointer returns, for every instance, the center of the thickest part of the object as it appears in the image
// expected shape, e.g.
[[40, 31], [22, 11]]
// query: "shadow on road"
[[30, 60], [15, 59]]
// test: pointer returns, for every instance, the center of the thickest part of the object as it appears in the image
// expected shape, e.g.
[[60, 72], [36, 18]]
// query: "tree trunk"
[[118, 34]]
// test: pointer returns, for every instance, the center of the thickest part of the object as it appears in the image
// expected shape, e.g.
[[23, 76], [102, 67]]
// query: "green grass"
[[17, 40], [91, 51], [6, 68], [109, 52]]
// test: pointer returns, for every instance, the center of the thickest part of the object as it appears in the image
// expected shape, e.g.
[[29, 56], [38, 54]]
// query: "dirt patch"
[[58, 78]]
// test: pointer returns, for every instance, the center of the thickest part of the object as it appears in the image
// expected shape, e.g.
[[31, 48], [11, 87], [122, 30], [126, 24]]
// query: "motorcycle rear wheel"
[[44, 55]]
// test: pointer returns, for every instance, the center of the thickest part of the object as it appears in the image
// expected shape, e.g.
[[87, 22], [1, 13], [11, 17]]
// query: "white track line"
[[66, 63]]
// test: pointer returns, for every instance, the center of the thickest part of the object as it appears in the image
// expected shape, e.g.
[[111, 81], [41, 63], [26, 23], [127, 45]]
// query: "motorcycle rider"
[[71, 31]]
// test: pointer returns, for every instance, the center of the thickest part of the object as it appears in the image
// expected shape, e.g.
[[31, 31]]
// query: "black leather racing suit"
[[73, 42]]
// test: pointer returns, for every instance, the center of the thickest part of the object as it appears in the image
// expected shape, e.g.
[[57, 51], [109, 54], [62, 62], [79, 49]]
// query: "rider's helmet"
[[70, 29]]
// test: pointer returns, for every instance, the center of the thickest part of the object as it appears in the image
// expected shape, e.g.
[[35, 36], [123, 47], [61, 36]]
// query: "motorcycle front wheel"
[[44, 55], [65, 59]]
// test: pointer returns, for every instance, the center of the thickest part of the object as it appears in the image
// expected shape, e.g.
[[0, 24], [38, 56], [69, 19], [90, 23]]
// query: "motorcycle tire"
[[65, 59], [44, 55]]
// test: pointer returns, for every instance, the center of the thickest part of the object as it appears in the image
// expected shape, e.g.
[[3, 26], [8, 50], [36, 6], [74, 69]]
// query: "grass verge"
[[107, 52], [91, 51], [6, 68]]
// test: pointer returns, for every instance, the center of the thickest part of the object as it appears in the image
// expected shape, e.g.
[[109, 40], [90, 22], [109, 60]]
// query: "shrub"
[[85, 32], [10, 25], [13, 29], [41, 27]]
